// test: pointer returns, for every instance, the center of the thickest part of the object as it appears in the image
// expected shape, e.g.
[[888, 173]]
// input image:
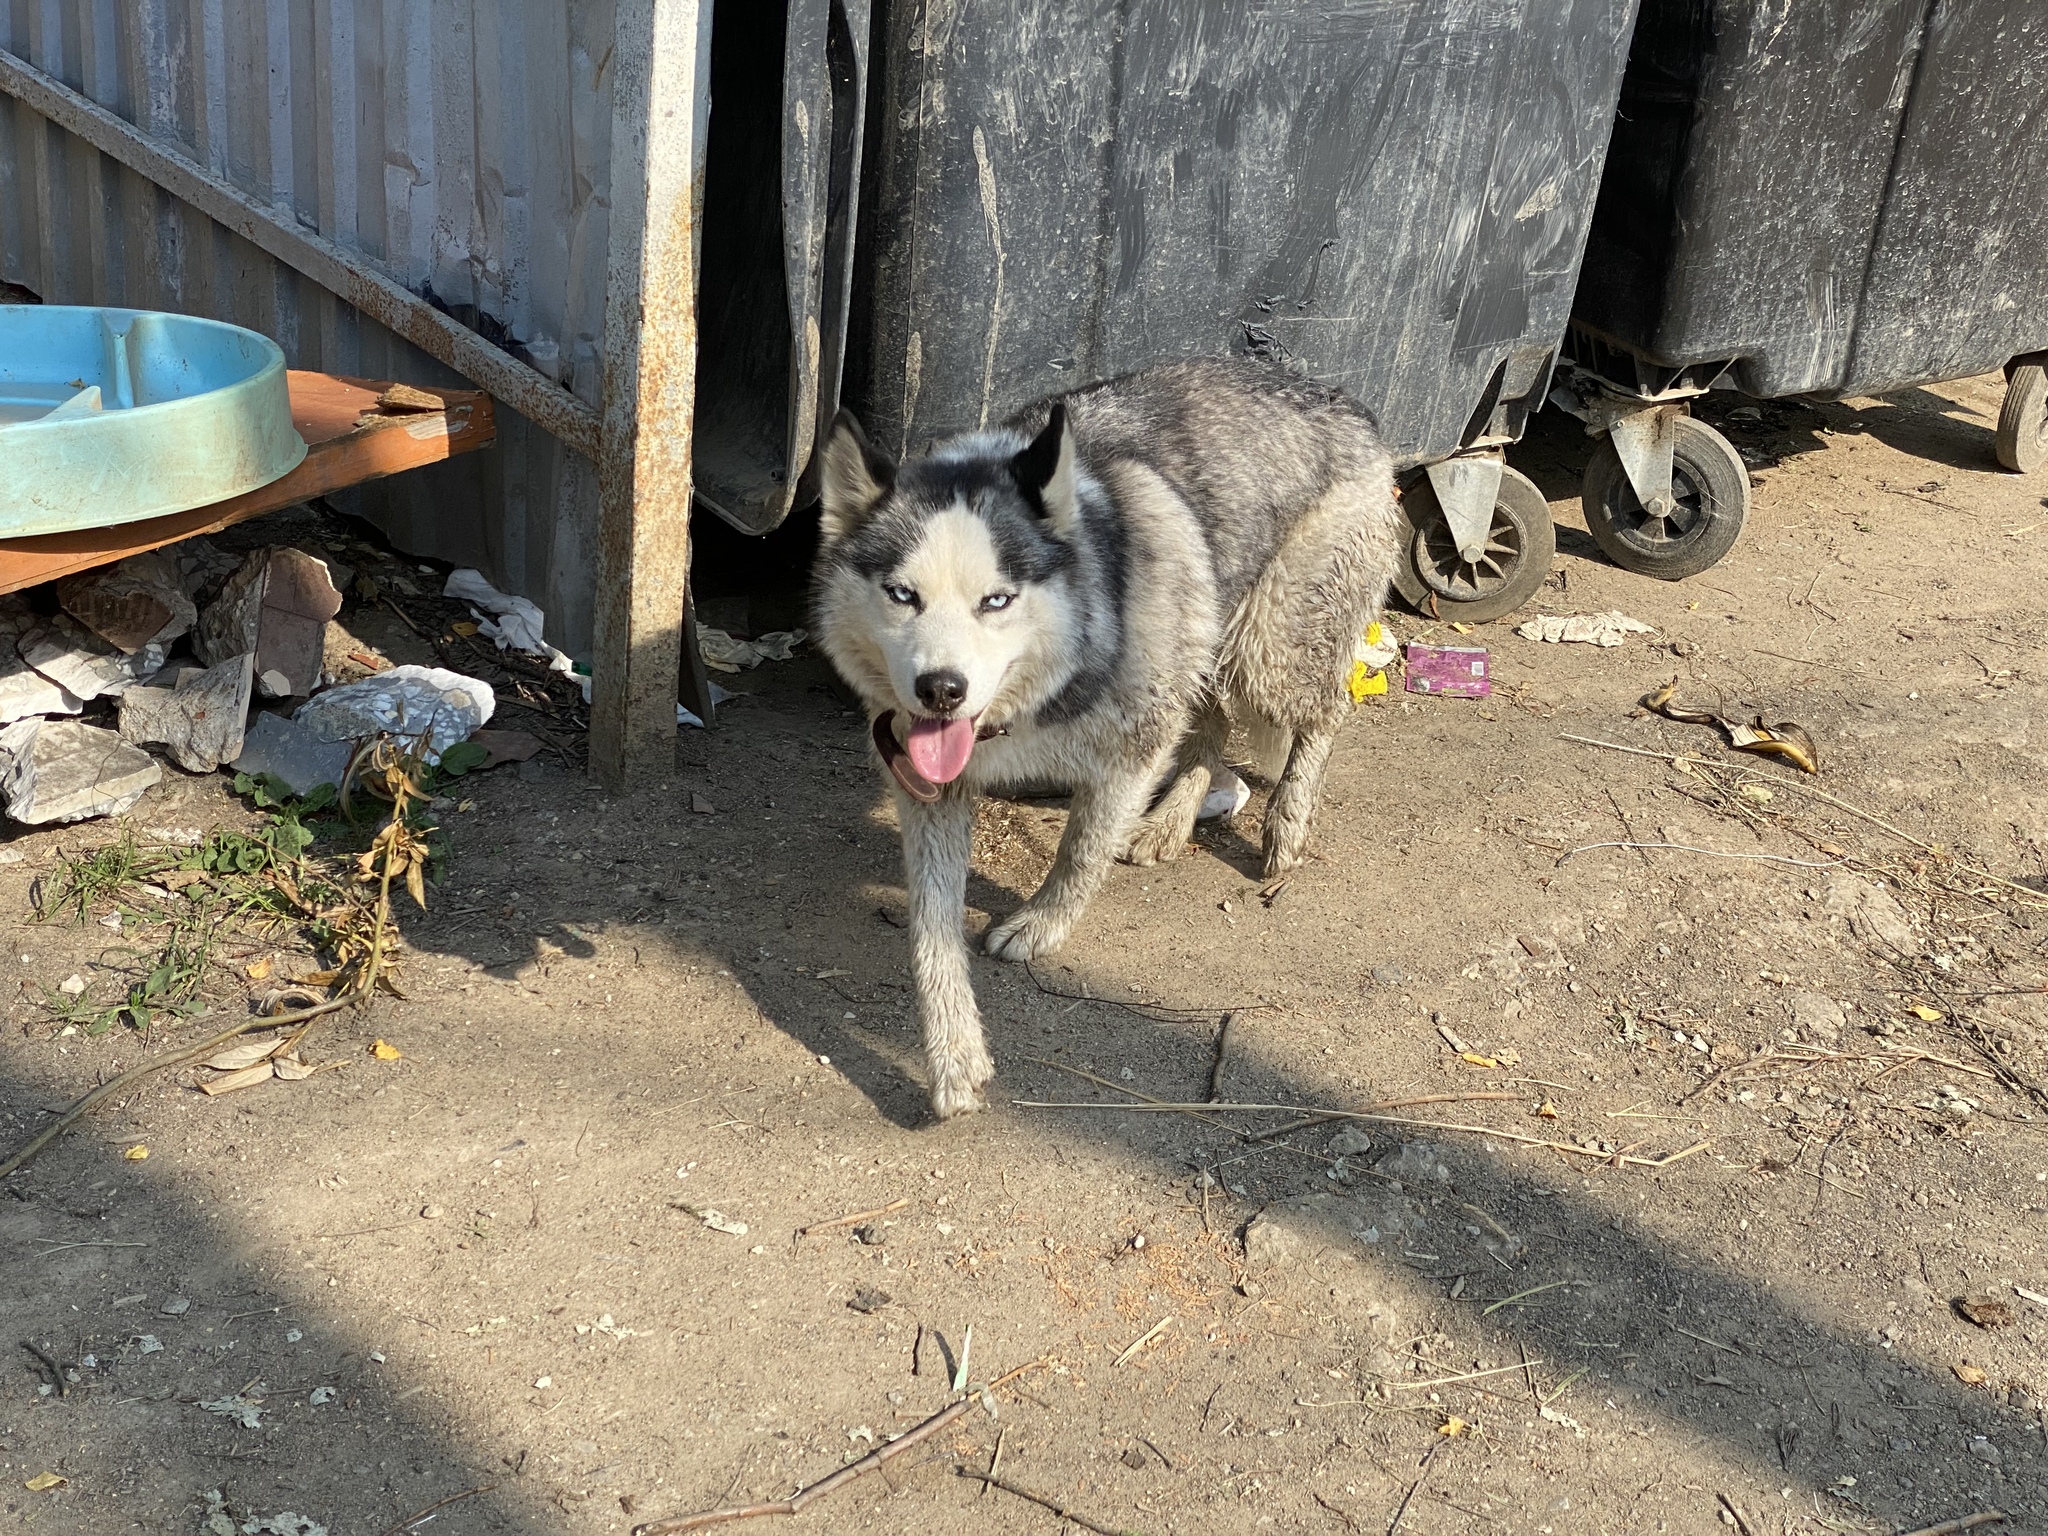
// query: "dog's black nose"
[[941, 692]]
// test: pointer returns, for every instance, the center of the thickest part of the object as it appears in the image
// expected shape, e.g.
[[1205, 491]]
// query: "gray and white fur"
[[1108, 580]]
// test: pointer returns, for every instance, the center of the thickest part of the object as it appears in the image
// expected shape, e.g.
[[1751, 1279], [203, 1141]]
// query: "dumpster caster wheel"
[[2023, 424], [1710, 501], [1435, 580]]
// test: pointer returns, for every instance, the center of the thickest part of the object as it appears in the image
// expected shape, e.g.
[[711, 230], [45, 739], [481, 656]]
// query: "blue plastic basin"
[[111, 415]]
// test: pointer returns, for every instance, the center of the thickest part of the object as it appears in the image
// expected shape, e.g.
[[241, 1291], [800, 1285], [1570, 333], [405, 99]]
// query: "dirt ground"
[[488, 1273]]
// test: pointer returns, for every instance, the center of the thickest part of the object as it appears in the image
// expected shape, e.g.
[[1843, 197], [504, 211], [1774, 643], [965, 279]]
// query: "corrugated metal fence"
[[461, 147]]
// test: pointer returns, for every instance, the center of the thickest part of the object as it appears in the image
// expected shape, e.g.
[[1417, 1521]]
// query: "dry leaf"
[[244, 1053], [1756, 793], [1921, 1011], [1970, 1375], [1987, 1311], [319, 979], [291, 1069], [228, 1082], [384, 1050], [1547, 1110], [43, 1482], [259, 971], [1453, 1427], [136, 1154], [1477, 1060], [463, 627]]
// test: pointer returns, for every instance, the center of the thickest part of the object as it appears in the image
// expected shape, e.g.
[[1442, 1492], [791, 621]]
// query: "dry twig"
[[454, 1498], [114, 1086], [990, 1481], [49, 1364], [1964, 1523], [1222, 1047], [847, 1221], [796, 1502], [1156, 1106]]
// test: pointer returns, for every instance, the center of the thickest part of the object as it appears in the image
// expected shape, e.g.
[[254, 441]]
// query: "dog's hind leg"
[[1290, 643], [937, 840], [1162, 834], [1098, 828], [1293, 805]]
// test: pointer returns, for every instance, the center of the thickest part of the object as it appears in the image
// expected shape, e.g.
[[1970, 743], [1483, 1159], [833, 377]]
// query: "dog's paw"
[[952, 1097], [956, 1085], [1280, 861], [1156, 842], [1027, 934]]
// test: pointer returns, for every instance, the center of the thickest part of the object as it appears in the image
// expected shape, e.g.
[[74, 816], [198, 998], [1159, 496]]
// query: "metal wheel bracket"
[[1643, 440], [1468, 489]]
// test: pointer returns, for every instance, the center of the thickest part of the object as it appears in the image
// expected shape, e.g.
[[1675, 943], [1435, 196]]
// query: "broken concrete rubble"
[[132, 603], [407, 702], [292, 753], [65, 770], [200, 720], [24, 691], [84, 665], [276, 605]]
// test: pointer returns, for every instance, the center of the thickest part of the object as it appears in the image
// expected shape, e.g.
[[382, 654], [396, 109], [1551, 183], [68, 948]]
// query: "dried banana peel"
[[1785, 740]]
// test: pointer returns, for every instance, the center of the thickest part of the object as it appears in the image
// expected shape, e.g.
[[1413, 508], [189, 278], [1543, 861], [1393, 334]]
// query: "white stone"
[[65, 770], [277, 605], [84, 665], [406, 703], [286, 749], [200, 721]]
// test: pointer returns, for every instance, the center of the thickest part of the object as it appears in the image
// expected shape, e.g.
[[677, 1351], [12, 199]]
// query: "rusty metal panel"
[[458, 148]]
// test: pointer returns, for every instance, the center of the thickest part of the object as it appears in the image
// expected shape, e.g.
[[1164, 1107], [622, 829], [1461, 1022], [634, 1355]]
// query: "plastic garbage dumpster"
[[781, 183], [1826, 198], [1391, 195]]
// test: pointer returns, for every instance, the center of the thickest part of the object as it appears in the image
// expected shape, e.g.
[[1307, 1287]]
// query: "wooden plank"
[[348, 440], [661, 104]]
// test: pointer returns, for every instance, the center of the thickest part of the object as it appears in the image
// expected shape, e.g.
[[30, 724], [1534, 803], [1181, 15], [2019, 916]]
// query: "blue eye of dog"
[[898, 593], [996, 601]]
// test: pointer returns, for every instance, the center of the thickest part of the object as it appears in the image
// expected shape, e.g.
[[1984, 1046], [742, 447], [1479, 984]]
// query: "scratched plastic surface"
[[112, 415], [1838, 196], [1391, 195]]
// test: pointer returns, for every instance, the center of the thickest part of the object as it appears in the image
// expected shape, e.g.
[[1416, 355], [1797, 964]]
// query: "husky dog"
[[1089, 595]]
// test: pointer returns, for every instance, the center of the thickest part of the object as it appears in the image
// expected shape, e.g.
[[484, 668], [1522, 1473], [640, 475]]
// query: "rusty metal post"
[[661, 105]]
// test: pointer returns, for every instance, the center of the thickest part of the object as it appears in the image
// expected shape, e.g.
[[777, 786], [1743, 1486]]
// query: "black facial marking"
[[1102, 636]]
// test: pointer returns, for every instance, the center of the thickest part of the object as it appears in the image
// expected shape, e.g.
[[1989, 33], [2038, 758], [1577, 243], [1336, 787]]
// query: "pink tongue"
[[940, 748]]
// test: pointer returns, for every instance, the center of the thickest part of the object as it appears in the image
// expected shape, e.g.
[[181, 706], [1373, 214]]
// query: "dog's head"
[[943, 585]]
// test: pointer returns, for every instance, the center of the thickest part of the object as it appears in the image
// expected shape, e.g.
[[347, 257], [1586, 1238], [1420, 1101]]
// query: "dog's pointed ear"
[[1045, 471], [857, 475]]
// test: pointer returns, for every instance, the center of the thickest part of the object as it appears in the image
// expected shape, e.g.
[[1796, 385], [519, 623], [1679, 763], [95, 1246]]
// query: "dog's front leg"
[[1098, 829], [937, 840]]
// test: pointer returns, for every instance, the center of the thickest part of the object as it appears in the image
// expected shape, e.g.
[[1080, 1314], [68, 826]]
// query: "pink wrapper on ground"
[[1450, 671]]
